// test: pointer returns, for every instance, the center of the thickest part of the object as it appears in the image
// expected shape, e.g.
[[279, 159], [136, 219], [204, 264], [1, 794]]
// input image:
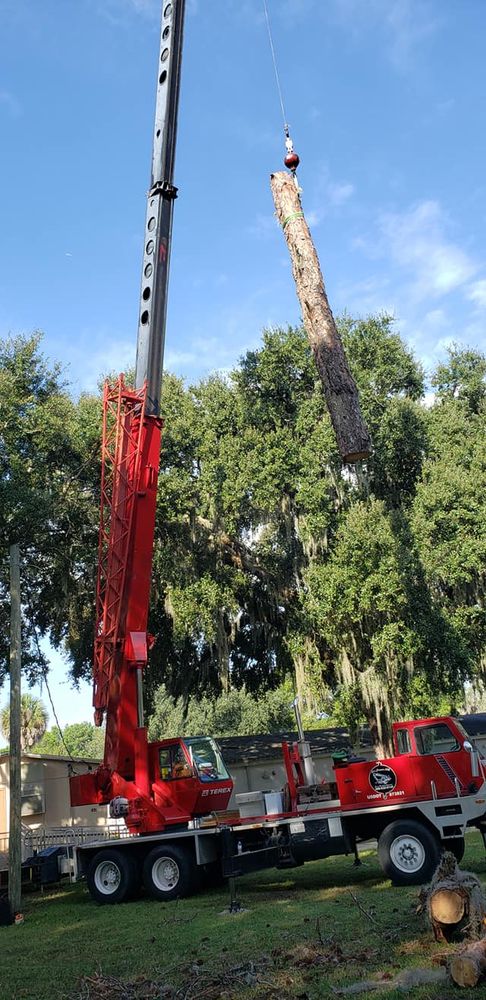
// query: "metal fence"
[[34, 840]]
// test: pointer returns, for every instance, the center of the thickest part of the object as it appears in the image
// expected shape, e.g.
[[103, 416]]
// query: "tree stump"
[[469, 966], [340, 389], [455, 902]]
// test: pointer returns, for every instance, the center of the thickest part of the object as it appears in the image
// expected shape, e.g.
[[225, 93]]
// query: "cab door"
[[441, 760]]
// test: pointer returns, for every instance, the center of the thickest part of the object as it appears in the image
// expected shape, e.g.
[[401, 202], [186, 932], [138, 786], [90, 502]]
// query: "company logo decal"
[[382, 779]]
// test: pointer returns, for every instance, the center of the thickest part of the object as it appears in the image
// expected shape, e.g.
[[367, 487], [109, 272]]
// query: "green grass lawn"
[[302, 929]]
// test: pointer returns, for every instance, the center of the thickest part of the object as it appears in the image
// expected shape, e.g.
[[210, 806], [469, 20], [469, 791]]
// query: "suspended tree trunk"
[[15, 830], [340, 390]]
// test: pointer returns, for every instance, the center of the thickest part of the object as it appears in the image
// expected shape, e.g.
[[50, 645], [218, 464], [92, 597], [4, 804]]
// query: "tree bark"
[[340, 389], [455, 902], [469, 966], [15, 825]]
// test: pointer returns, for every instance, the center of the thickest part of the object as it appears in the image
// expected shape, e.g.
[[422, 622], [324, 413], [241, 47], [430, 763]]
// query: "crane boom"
[[160, 203]]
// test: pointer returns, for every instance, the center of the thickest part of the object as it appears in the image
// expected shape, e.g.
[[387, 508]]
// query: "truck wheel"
[[169, 873], [112, 876], [408, 852], [456, 846]]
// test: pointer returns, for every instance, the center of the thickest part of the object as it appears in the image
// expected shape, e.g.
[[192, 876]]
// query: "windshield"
[[207, 759], [435, 739]]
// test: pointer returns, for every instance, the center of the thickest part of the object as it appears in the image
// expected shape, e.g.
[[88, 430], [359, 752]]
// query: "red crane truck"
[[174, 794]]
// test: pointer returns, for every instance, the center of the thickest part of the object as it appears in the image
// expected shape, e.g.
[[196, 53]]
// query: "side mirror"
[[468, 746]]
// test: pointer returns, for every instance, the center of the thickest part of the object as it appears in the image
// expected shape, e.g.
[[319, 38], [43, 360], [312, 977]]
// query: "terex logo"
[[216, 791]]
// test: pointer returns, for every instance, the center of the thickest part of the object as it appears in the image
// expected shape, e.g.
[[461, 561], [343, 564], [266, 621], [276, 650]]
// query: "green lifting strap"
[[295, 215]]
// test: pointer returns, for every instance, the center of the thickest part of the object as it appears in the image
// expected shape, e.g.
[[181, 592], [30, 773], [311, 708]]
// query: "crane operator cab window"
[[206, 758], [173, 763]]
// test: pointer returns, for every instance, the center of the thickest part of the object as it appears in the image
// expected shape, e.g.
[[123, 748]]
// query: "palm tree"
[[33, 721]]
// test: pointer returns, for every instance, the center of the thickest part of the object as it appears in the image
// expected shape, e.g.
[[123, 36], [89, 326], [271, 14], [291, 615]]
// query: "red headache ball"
[[292, 161]]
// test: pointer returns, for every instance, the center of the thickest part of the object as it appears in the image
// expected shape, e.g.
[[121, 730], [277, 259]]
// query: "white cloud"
[[118, 12], [339, 193], [263, 226], [143, 6], [422, 276], [370, 295], [429, 400], [326, 195], [87, 368], [405, 24], [416, 241], [477, 293], [175, 360], [409, 22]]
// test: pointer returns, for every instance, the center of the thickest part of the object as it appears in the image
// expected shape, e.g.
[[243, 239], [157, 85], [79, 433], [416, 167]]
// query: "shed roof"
[[246, 749], [28, 755], [266, 746]]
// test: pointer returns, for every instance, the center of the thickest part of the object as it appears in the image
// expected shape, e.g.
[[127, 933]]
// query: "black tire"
[[408, 852], [112, 876], [456, 846], [170, 872]]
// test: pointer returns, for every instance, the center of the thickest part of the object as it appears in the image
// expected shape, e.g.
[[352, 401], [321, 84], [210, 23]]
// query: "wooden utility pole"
[[340, 389], [15, 826]]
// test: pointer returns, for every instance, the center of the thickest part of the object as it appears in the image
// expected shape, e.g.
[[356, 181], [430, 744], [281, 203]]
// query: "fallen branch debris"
[[362, 910], [199, 984]]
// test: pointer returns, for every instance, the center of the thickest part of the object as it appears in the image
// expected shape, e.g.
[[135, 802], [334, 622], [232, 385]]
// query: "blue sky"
[[386, 102]]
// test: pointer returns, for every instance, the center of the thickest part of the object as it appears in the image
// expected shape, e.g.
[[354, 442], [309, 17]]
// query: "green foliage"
[[33, 721], [48, 463], [80, 739], [462, 377], [449, 509], [366, 586], [237, 713], [270, 560]]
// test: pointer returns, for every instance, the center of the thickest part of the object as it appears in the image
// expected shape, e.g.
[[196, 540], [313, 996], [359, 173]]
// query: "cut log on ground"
[[447, 906], [340, 390], [469, 966], [455, 902]]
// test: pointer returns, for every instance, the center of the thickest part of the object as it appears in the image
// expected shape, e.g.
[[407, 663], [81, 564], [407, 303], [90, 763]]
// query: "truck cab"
[[434, 759], [442, 757]]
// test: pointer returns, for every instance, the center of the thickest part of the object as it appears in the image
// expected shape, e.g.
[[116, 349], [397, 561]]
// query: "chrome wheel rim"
[[165, 874], [407, 854], [107, 878]]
